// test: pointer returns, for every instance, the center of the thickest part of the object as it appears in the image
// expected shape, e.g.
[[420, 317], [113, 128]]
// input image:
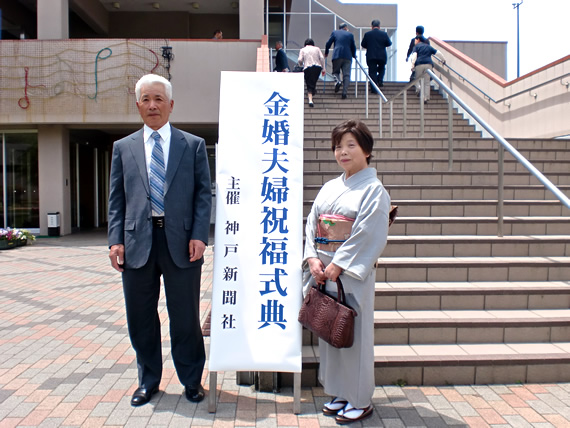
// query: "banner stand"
[[214, 392]]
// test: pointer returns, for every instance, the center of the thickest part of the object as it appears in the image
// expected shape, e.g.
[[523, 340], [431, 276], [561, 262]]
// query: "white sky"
[[543, 27]]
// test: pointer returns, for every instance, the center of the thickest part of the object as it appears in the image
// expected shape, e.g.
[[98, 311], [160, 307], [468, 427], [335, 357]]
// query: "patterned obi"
[[332, 231]]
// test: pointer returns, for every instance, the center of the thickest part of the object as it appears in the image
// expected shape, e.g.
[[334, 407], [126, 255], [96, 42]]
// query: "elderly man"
[[159, 218], [281, 63], [375, 42], [344, 51]]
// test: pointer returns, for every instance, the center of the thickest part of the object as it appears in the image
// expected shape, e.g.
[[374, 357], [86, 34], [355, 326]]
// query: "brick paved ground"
[[65, 360]]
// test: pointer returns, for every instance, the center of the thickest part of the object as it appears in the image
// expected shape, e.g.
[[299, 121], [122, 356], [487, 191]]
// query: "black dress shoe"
[[143, 396], [194, 393]]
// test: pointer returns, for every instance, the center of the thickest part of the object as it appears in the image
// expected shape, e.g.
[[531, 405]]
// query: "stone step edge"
[[500, 261], [506, 219], [500, 288], [310, 358], [454, 239], [439, 202], [386, 172], [390, 323]]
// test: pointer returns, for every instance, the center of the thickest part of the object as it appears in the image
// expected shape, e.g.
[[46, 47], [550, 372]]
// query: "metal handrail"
[[504, 144], [524, 91], [381, 96]]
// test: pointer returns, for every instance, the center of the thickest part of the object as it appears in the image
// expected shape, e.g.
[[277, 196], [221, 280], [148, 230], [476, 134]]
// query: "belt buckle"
[[159, 222]]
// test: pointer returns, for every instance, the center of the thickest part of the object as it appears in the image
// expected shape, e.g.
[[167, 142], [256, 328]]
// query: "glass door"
[[20, 196]]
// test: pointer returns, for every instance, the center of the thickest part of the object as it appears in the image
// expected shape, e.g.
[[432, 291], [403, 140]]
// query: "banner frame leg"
[[213, 392], [297, 393]]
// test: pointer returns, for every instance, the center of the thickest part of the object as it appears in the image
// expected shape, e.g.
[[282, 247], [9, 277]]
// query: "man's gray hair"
[[153, 78], [376, 23], [342, 25]]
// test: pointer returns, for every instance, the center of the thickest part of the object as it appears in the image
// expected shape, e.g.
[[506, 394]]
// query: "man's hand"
[[117, 256], [197, 249]]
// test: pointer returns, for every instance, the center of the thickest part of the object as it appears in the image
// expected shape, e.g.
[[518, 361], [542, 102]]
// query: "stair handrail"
[[516, 94], [381, 96], [404, 91], [503, 144]]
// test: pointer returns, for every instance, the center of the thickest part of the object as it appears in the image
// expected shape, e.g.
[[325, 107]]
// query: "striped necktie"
[[157, 176]]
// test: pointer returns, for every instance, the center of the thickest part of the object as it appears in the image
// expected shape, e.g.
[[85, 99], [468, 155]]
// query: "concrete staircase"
[[455, 303]]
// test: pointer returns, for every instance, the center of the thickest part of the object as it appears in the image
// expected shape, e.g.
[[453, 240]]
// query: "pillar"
[[54, 176], [53, 19]]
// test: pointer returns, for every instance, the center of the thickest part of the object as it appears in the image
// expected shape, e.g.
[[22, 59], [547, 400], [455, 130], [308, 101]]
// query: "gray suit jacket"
[[187, 198]]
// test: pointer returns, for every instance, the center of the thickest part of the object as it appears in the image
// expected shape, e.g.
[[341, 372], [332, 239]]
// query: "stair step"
[[476, 326], [406, 269], [477, 246], [492, 295], [388, 177], [480, 226], [464, 364]]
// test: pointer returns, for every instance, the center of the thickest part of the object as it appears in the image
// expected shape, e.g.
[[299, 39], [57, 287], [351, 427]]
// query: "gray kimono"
[[349, 372]]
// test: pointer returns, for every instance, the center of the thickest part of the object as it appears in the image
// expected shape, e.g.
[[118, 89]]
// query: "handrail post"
[[500, 190], [391, 118], [405, 114], [366, 96], [380, 116], [450, 132], [422, 105]]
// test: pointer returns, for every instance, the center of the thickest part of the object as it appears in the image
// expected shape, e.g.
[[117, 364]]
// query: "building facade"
[[68, 69]]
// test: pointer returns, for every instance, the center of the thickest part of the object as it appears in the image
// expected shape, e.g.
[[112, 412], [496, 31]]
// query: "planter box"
[[6, 245]]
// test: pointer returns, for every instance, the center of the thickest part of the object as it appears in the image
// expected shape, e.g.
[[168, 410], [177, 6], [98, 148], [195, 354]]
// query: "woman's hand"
[[332, 272], [317, 269]]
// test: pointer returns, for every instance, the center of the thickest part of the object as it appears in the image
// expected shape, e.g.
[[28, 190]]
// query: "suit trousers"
[[376, 70], [342, 64], [141, 288], [419, 70]]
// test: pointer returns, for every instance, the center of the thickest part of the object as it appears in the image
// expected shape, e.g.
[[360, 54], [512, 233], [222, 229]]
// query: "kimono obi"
[[332, 231]]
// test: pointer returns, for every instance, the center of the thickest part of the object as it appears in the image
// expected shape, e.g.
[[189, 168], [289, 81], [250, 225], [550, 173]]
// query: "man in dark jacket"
[[419, 33], [421, 61], [375, 42], [281, 63], [344, 51]]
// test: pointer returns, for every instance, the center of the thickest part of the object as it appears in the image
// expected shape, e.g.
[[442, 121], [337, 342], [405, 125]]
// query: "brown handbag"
[[330, 319]]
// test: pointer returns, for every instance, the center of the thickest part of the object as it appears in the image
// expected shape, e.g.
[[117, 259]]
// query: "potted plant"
[[11, 238]]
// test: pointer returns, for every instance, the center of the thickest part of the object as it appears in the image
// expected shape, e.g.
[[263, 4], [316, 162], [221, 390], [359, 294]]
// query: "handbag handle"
[[339, 289]]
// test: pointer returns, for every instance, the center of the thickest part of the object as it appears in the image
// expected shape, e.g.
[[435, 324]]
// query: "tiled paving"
[[66, 360]]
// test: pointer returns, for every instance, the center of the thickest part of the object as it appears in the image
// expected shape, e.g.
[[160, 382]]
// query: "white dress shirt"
[[164, 132]]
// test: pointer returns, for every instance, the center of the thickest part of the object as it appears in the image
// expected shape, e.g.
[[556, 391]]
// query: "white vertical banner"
[[259, 220]]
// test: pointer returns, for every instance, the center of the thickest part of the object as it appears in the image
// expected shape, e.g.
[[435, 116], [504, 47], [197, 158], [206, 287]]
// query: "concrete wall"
[[363, 15], [69, 91], [492, 55], [540, 112]]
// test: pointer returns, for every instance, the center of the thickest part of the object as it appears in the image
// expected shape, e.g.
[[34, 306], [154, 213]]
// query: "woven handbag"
[[330, 319]]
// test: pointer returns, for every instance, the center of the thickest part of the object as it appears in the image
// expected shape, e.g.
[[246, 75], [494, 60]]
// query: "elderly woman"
[[313, 62], [358, 203]]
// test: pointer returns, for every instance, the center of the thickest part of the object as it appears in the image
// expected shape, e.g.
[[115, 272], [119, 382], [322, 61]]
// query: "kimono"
[[349, 372]]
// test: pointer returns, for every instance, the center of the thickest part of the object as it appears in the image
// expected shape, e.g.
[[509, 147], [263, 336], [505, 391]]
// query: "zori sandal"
[[353, 414], [334, 406]]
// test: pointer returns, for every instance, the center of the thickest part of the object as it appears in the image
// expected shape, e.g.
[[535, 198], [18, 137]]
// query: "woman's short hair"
[[309, 41], [360, 131], [153, 78]]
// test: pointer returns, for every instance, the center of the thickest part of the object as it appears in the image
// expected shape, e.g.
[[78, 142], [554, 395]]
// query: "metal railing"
[[381, 96], [503, 145], [516, 94]]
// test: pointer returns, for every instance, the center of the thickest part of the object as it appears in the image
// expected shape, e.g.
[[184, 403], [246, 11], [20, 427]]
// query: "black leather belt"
[[158, 222]]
